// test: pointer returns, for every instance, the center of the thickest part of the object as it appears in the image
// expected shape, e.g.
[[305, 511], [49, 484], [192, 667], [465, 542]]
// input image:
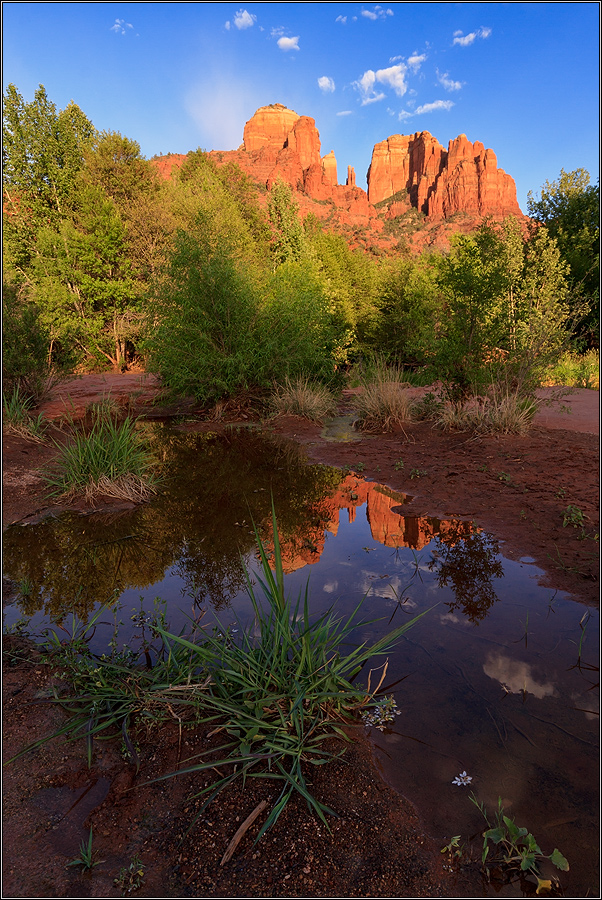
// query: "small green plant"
[[454, 848], [560, 493], [399, 465], [427, 408], [359, 467], [503, 476], [573, 516], [17, 418], [418, 473], [86, 856], [130, 877], [513, 848]]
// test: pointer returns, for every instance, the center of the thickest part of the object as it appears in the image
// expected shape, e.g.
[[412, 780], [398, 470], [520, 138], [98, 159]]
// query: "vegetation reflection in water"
[[201, 527]]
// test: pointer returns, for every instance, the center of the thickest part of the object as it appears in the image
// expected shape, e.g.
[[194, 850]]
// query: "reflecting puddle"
[[497, 680]]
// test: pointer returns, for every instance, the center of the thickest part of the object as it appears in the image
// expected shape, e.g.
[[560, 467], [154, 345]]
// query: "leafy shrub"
[[576, 370], [25, 346], [220, 326]]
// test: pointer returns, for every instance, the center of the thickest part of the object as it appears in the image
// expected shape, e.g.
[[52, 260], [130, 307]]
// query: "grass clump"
[[501, 411], [17, 418], [109, 459], [279, 689], [302, 397], [383, 402]]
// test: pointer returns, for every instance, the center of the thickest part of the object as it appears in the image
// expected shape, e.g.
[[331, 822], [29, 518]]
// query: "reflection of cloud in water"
[[453, 619], [516, 676], [586, 705], [330, 587]]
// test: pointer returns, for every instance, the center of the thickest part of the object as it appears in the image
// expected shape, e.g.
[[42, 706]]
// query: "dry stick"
[[241, 832]]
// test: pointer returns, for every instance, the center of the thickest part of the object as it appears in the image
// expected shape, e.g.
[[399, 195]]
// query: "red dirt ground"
[[515, 487]]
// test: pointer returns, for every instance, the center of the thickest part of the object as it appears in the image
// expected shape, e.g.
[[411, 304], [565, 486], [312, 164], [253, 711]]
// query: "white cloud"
[[376, 12], [394, 77], [465, 40], [227, 26], [326, 84], [434, 107], [244, 19], [289, 43], [404, 114], [447, 83], [341, 19], [345, 112], [120, 26], [415, 61]]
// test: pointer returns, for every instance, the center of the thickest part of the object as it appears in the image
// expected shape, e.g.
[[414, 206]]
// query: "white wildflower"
[[462, 778]]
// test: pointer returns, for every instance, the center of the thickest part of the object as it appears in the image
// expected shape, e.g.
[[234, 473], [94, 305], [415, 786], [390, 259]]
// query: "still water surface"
[[498, 680]]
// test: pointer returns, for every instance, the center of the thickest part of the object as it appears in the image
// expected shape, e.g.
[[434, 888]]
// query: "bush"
[[221, 326], [25, 346], [575, 370]]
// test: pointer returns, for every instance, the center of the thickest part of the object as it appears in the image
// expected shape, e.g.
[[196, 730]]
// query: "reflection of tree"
[[215, 488], [468, 564]]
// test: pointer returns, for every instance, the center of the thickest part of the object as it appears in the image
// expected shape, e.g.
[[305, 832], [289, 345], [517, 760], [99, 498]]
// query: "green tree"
[[570, 209], [42, 153], [474, 279], [288, 243], [410, 306], [83, 281]]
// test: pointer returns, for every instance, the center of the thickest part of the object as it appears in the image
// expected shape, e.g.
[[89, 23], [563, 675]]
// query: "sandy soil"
[[516, 487]]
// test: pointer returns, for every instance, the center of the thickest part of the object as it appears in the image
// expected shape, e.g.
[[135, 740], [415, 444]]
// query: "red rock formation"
[[329, 164], [439, 183], [414, 169], [269, 127]]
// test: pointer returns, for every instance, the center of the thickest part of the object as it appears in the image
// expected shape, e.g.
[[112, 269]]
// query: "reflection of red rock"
[[387, 526]]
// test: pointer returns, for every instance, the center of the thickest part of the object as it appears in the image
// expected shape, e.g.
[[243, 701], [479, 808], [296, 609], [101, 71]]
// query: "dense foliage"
[[221, 289]]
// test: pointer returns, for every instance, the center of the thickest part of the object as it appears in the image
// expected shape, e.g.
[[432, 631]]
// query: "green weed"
[[574, 370], [398, 466], [130, 877], [513, 848], [418, 473], [86, 856], [573, 516], [17, 418]]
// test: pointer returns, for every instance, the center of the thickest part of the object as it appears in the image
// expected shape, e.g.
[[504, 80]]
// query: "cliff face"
[[406, 172], [438, 182]]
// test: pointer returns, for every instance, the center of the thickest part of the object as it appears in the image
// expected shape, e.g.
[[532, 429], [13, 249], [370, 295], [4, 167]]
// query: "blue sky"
[[520, 77]]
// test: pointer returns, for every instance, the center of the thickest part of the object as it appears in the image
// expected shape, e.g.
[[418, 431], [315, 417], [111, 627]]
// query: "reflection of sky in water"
[[487, 680]]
